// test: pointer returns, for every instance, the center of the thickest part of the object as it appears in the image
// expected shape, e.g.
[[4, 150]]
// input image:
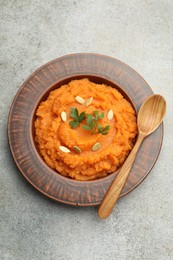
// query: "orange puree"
[[52, 132]]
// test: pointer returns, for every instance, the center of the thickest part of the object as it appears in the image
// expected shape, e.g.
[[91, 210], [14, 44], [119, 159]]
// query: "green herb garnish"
[[93, 123], [103, 130], [90, 122], [77, 118]]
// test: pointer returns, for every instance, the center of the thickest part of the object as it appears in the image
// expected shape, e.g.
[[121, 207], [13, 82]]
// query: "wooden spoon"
[[150, 117]]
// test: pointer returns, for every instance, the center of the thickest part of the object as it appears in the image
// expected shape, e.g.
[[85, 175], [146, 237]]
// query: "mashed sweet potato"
[[52, 132]]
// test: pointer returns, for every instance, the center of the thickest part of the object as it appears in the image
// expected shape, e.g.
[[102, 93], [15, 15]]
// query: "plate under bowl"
[[99, 69]]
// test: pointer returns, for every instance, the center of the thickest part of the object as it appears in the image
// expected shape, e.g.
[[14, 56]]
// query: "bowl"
[[98, 69]]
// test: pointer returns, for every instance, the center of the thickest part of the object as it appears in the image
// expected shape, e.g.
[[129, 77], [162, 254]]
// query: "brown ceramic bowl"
[[99, 69]]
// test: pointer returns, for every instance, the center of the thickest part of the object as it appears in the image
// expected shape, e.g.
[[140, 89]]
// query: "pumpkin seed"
[[80, 100], [110, 114], [64, 149], [96, 147], [77, 149], [63, 116], [89, 101]]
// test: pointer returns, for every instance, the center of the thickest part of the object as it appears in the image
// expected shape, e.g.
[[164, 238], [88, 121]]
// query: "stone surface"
[[136, 32]]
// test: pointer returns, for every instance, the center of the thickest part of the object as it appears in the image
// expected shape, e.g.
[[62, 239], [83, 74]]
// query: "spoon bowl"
[[150, 116]]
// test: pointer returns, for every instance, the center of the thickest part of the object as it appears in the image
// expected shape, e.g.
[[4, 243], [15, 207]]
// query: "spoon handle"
[[112, 194]]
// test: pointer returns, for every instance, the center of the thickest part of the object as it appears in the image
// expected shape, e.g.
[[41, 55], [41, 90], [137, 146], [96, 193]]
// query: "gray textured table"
[[136, 32]]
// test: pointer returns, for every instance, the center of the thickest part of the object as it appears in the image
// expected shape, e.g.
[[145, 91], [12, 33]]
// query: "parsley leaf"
[[93, 124], [73, 124], [81, 116], [103, 131], [90, 122], [77, 118], [74, 113]]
